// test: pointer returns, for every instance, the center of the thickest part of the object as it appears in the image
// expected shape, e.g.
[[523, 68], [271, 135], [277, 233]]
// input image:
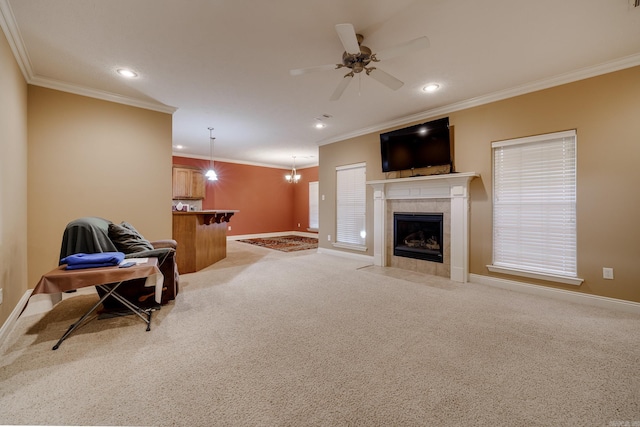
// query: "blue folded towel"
[[100, 259]]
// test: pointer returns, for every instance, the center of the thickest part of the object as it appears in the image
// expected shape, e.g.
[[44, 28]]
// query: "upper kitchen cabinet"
[[188, 183]]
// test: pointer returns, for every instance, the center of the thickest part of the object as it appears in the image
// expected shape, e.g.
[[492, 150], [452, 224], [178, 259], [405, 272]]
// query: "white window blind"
[[313, 205], [351, 204], [534, 205]]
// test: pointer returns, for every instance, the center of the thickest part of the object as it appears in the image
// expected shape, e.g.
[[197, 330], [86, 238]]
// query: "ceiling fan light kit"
[[357, 58]]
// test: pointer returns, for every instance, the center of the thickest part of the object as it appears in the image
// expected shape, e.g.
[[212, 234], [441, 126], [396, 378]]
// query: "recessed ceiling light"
[[431, 87], [124, 72], [320, 125], [179, 147]]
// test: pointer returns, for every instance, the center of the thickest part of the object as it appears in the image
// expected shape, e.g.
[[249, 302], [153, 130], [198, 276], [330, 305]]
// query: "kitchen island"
[[201, 238]]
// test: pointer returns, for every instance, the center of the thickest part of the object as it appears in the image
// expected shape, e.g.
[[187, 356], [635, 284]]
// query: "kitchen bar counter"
[[201, 237]]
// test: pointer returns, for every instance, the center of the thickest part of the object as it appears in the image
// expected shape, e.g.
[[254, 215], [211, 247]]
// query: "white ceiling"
[[225, 63]]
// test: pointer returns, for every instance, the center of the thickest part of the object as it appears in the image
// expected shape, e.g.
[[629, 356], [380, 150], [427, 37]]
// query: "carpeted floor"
[[268, 338], [285, 243]]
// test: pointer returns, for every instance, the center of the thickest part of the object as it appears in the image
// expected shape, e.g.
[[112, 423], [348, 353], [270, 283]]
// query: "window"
[[313, 206], [351, 206], [534, 207]]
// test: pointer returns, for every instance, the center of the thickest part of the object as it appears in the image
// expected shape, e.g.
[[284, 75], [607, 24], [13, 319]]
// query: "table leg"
[[109, 292], [84, 317], [136, 310]]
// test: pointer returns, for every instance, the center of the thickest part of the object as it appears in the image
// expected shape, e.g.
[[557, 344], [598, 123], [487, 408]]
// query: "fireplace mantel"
[[454, 186]]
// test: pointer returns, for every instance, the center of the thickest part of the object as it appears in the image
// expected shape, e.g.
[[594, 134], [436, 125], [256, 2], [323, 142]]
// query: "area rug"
[[285, 243]]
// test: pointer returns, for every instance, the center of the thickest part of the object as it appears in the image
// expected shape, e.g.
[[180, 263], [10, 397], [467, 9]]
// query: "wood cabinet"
[[188, 183]]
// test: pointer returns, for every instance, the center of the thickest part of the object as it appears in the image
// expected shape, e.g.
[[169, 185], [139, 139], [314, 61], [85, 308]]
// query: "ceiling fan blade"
[[403, 48], [299, 71], [341, 87], [386, 79], [347, 35]]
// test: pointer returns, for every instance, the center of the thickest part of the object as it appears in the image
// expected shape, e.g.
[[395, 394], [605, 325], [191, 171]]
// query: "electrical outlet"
[[329, 237], [607, 273], [298, 225], [229, 228], [0, 295]]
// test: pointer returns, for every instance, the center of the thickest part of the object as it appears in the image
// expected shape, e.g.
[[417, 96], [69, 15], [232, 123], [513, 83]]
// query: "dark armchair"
[[93, 234]]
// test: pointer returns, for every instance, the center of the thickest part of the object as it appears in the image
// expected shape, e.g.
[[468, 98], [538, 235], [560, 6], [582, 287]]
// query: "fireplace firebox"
[[418, 235]]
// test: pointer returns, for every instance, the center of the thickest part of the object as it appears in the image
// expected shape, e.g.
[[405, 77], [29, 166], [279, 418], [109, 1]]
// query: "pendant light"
[[293, 177], [211, 173]]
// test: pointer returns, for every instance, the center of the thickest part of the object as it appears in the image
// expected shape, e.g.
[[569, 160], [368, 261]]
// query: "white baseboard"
[[359, 257], [8, 325], [571, 296], [274, 234]]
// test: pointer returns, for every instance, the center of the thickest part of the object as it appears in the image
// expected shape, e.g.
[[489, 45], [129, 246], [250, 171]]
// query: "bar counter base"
[[201, 237]]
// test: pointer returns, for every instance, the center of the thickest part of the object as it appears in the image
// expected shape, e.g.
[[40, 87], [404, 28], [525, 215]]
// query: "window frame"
[[551, 182], [354, 241], [314, 205]]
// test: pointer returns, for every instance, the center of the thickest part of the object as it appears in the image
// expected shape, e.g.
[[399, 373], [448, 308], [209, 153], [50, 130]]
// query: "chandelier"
[[211, 173], [293, 177]]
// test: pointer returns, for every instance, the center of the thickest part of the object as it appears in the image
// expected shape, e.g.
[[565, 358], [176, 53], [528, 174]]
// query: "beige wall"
[[89, 157], [356, 150], [603, 110], [13, 181]]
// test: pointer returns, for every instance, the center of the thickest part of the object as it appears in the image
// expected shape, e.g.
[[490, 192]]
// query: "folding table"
[[109, 279]]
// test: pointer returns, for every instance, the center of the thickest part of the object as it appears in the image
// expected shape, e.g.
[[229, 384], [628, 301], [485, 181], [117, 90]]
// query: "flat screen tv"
[[417, 146]]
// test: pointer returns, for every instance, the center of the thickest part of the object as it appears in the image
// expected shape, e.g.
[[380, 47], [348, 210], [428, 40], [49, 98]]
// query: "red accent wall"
[[267, 203]]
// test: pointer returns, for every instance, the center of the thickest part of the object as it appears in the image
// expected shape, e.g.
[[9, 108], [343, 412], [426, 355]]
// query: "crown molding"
[[581, 74], [224, 160], [12, 33], [240, 162], [99, 94]]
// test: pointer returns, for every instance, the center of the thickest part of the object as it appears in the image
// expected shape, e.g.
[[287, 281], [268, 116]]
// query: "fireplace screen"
[[418, 235]]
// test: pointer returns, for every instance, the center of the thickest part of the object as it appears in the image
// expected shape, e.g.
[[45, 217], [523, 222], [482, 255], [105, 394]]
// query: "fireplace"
[[418, 235], [448, 193]]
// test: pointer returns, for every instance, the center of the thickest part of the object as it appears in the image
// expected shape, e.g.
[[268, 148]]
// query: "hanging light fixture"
[[293, 177], [211, 173]]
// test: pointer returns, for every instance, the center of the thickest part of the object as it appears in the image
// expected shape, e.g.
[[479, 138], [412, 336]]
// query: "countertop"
[[206, 212]]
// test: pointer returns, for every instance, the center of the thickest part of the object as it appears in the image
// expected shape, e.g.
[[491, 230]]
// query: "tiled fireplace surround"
[[447, 194]]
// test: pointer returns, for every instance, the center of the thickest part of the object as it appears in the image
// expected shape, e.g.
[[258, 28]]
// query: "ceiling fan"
[[358, 58]]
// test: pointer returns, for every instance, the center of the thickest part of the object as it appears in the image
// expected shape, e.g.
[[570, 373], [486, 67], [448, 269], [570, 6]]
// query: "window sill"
[[350, 246], [575, 281]]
